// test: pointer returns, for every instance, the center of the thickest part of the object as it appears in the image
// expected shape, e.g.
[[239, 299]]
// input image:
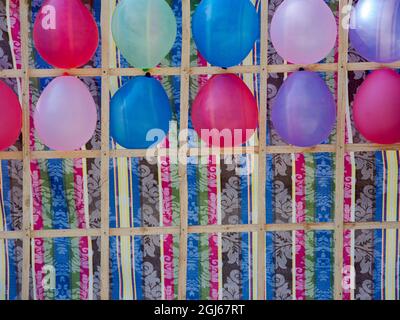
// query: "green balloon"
[[144, 31]]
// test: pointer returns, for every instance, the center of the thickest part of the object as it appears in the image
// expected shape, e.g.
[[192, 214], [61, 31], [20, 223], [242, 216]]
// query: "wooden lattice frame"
[[185, 71]]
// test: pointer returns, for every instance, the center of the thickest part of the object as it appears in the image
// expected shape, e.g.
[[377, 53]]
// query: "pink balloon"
[[376, 107], [303, 31], [65, 117], [10, 117], [225, 113]]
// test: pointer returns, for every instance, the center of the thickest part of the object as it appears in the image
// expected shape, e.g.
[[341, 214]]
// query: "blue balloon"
[[140, 106], [225, 30]]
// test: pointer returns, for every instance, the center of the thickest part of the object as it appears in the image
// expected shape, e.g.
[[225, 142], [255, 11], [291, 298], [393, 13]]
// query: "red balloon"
[[376, 107], [10, 117], [226, 104], [65, 33]]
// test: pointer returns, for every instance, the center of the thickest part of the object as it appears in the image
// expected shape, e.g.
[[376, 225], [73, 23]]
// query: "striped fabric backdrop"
[[222, 190]]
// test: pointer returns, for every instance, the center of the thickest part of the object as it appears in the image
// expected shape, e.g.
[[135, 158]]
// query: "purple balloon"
[[375, 30], [303, 31], [66, 115], [304, 111]]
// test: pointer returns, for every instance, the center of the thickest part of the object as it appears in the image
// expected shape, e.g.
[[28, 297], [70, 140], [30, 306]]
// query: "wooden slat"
[[50, 73], [196, 152], [201, 229], [363, 66], [144, 231], [299, 226], [164, 71], [66, 233], [11, 73], [370, 147], [11, 234], [170, 71], [317, 67], [223, 228], [122, 153], [11, 155], [294, 149], [218, 70], [26, 188], [87, 154], [137, 153], [340, 150], [184, 116], [372, 225], [105, 152], [261, 214]]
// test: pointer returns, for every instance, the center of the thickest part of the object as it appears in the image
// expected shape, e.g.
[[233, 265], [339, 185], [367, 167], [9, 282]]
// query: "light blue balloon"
[[140, 113], [225, 30], [144, 31]]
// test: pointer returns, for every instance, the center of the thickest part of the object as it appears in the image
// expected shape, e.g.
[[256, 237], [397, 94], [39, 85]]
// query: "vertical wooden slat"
[[262, 152], [340, 150], [105, 149], [26, 189], [184, 116]]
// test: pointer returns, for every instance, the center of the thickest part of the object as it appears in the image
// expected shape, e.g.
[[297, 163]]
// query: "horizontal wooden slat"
[[364, 66], [84, 72], [369, 147], [294, 149], [143, 231], [372, 225], [11, 234], [66, 154], [11, 155], [122, 153], [11, 73], [223, 228], [165, 71], [67, 233], [319, 67], [193, 152], [203, 229], [299, 226], [171, 71]]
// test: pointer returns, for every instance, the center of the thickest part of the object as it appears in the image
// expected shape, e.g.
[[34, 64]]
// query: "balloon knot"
[[224, 68], [302, 69], [148, 75], [65, 74]]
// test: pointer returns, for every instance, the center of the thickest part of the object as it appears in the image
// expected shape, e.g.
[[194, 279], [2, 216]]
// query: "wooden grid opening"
[[185, 71]]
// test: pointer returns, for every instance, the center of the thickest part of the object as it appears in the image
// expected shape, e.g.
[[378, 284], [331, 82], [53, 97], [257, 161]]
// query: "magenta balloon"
[[65, 117], [225, 104], [303, 31], [304, 111]]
